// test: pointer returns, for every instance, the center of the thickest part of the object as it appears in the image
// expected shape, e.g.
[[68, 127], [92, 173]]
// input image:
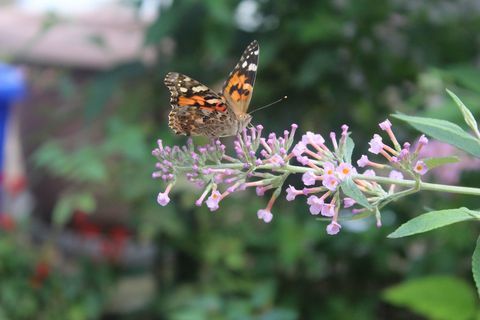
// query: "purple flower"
[[265, 215], [330, 182], [309, 178], [449, 173], [291, 193], [369, 173], [420, 167], [260, 191], [344, 170], [316, 204], [423, 140], [312, 138], [328, 210], [328, 169], [303, 160], [394, 174], [163, 199], [376, 144], [213, 200], [276, 160], [403, 154], [348, 202], [363, 161], [333, 228], [299, 149], [385, 125]]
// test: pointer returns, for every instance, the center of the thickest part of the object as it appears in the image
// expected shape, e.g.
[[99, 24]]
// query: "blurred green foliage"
[[34, 288], [339, 62]]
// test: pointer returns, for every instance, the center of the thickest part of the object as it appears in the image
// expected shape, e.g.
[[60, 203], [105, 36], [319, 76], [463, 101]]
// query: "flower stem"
[[423, 185]]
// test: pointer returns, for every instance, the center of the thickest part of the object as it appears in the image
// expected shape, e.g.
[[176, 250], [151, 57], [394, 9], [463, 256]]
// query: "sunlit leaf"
[[433, 220], [467, 114], [444, 131]]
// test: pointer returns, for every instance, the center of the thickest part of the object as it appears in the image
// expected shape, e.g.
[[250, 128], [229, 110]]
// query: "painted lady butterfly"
[[198, 110]]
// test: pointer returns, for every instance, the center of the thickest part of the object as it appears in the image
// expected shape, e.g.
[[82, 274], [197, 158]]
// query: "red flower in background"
[[40, 274], [7, 223]]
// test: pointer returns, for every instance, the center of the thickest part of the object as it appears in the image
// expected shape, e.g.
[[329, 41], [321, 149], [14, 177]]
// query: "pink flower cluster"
[[450, 173], [330, 181]]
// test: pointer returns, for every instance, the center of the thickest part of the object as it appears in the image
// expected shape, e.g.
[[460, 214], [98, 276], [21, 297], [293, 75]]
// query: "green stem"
[[422, 186]]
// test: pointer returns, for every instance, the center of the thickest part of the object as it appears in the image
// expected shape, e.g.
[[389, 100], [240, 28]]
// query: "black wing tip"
[[254, 44], [171, 76]]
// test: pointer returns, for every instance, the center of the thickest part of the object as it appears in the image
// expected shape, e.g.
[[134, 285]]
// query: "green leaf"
[[444, 131], [433, 220], [440, 161], [351, 190], [467, 114], [349, 146], [435, 297], [476, 265]]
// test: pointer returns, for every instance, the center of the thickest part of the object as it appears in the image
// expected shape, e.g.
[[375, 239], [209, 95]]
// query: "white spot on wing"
[[183, 89], [199, 89], [256, 52], [244, 64], [252, 67]]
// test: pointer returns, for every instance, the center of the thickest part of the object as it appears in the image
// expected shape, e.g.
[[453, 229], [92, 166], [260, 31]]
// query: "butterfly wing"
[[238, 88], [198, 110]]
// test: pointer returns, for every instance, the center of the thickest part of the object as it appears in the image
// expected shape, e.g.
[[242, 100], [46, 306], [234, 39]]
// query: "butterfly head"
[[243, 121]]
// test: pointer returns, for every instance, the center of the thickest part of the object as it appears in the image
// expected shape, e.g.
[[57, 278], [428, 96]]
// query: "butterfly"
[[199, 111]]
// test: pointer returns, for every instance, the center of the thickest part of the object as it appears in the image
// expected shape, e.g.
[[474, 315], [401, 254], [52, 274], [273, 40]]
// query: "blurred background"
[[82, 103]]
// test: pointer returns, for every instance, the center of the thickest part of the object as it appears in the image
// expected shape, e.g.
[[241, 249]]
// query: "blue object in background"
[[12, 89]]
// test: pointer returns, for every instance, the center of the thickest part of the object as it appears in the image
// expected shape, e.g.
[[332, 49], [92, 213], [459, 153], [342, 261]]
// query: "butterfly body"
[[198, 110]]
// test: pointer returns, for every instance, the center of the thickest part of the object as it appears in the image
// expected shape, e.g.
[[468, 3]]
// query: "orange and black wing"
[[238, 88], [196, 109]]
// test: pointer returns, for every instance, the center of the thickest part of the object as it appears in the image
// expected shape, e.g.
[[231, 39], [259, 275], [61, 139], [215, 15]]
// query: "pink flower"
[[329, 169], [311, 138], [376, 144], [260, 191], [403, 154], [299, 149], [265, 215], [344, 170], [328, 210], [330, 182], [420, 167], [303, 160], [363, 161], [369, 173], [309, 178], [394, 174], [163, 199], [315, 204], [292, 193], [423, 140], [385, 125], [213, 200], [348, 202], [276, 160], [333, 228]]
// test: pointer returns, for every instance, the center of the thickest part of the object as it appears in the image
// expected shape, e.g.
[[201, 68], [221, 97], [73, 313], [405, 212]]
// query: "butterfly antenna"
[[269, 105]]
